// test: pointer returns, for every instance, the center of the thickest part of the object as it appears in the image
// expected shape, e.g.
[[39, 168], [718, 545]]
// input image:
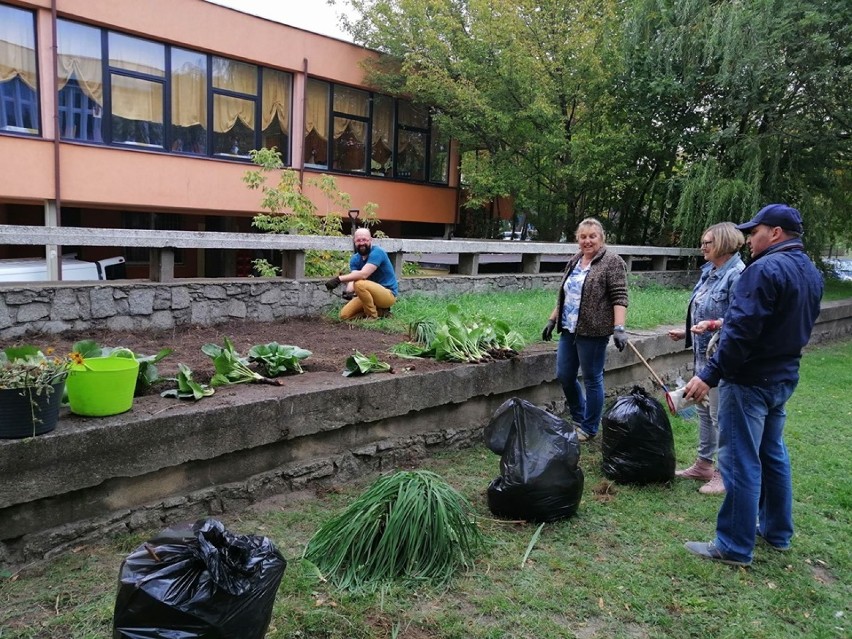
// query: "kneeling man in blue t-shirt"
[[371, 283]]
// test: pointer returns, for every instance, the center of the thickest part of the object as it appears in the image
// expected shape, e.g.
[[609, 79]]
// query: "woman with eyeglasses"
[[711, 297]]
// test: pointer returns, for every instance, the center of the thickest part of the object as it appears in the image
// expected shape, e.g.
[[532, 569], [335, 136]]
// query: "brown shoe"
[[702, 470], [715, 486]]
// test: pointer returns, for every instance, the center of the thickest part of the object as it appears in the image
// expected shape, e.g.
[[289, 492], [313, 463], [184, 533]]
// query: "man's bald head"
[[363, 241]]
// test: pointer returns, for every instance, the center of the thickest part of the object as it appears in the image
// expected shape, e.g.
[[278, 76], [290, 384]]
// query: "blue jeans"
[[587, 354], [755, 468]]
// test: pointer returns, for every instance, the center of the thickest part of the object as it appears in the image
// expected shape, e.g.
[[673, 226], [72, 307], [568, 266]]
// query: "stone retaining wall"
[[148, 468], [124, 305]]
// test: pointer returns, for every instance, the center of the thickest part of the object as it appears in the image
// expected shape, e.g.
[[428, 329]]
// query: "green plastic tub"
[[102, 386]]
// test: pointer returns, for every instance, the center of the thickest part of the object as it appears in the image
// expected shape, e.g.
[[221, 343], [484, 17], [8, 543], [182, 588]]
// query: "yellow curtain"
[[227, 110], [189, 96], [234, 76], [80, 56], [276, 99], [17, 55], [316, 116], [383, 120], [136, 99], [352, 102]]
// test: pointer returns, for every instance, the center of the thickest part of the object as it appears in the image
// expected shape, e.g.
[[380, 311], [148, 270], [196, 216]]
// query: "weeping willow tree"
[[751, 98]]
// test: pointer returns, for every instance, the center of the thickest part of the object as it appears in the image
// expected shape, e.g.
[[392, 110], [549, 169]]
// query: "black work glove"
[[348, 295], [619, 338], [333, 283], [547, 333]]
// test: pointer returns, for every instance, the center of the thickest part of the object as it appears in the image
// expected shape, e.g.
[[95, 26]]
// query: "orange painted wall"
[[128, 179], [221, 30]]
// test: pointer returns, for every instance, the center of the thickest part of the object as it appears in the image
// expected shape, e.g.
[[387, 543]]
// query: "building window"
[[18, 77], [439, 157], [316, 124], [275, 112], [381, 158], [412, 141], [351, 119], [189, 102], [234, 105], [167, 98], [137, 70], [80, 82]]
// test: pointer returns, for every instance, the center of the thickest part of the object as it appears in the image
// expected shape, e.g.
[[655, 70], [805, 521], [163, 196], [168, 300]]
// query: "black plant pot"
[[25, 414]]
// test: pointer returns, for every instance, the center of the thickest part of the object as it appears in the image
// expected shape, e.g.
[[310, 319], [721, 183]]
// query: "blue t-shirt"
[[384, 274]]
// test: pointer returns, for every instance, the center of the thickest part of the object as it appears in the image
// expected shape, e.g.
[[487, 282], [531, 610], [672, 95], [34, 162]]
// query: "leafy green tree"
[[289, 210], [522, 83], [748, 99]]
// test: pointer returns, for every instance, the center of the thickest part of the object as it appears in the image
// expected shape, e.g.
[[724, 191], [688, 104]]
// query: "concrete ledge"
[[147, 468]]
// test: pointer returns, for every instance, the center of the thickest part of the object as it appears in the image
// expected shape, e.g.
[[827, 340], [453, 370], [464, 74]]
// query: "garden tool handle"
[[648, 366]]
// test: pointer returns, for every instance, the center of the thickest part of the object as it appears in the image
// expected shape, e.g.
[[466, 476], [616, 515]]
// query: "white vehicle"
[[34, 269], [842, 268]]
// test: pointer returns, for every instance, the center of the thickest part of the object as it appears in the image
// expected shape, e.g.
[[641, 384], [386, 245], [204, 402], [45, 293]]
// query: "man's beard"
[[364, 249]]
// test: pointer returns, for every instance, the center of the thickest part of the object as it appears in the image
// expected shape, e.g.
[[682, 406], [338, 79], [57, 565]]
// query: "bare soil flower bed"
[[329, 342]]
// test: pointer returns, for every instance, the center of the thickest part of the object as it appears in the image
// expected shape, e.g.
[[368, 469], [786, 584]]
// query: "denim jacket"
[[720, 282]]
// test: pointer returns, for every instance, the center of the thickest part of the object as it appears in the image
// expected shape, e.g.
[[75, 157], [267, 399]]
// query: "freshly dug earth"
[[329, 342]]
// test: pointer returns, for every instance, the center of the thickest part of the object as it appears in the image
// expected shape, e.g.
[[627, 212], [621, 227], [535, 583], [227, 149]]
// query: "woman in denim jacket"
[[710, 299]]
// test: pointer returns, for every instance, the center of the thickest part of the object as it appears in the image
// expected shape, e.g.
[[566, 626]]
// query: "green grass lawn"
[[616, 570], [527, 311]]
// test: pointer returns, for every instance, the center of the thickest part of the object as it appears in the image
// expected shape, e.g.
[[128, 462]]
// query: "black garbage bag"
[[638, 445], [198, 582], [540, 479]]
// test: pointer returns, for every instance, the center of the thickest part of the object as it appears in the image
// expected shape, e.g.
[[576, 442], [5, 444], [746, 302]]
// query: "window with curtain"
[[275, 112], [234, 106], [18, 79], [316, 124], [137, 70], [189, 102], [351, 116], [412, 140], [439, 157], [381, 153], [79, 81]]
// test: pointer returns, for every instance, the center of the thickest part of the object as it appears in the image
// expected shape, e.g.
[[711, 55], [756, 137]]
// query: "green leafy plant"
[[277, 359], [360, 364], [410, 525], [264, 268], [187, 388], [231, 368], [289, 210], [28, 367], [460, 339]]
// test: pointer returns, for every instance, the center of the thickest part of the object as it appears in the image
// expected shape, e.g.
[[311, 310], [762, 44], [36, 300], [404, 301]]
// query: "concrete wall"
[[148, 468], [141, 305]]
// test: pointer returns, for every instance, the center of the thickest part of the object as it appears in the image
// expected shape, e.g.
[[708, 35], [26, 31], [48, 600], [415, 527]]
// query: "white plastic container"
[[34, 269]]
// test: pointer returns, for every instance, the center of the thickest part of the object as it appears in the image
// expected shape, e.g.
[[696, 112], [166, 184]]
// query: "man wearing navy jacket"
[[776, 303]]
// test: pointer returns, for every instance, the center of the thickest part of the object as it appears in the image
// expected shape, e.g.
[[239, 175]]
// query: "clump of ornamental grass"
[[410, 526]]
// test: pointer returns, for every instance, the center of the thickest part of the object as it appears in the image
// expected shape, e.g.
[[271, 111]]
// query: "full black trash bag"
[[637, 446], [539, 476], [198, 582]]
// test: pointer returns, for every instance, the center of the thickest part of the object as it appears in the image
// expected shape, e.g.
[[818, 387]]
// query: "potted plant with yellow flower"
[[31, 387]]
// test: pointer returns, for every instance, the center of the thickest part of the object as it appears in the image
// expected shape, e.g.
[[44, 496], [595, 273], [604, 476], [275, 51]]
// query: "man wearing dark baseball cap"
[[756, 367], [780, 215]]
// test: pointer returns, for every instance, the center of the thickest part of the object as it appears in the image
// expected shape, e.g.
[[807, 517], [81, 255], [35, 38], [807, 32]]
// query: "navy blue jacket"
[[776, 303]]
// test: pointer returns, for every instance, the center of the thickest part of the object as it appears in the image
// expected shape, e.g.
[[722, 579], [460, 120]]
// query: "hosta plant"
[[277, 359]]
